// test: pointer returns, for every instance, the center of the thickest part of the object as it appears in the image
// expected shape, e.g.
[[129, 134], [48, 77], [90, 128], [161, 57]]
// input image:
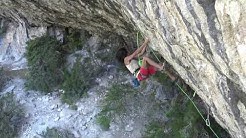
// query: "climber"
[[148, 67]]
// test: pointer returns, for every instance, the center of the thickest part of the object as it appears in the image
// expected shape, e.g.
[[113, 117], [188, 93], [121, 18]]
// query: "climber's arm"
[[144, 45], [137, 52], [140, 50]]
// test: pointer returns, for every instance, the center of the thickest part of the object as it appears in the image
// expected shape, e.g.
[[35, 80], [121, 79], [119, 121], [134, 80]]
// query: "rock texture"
[[204, 40]]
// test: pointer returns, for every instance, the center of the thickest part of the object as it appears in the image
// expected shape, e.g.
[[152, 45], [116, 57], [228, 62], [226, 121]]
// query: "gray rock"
[[22, 101], [128, 128], [27, 115], [57, 118]]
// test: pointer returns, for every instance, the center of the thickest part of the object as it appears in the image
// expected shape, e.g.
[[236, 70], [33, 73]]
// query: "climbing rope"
[[155, 55], [205, 120], [139, 60]]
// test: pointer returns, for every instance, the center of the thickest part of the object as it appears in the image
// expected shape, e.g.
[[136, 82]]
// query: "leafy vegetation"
[[46, 57], [75, 40], [185, 122], [163, 79], [3, 79], [104, 121], [76, 82], [113, 104], [155, 130], [11, 116], [57, 133], [45, 60], [222, 133], [3, 29], [116, 97]]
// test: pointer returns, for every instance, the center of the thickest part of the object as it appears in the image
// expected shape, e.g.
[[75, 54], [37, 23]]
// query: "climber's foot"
[[162, 67]]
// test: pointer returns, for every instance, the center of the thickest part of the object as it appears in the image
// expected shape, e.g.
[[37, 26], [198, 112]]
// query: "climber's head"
[[121, 54]]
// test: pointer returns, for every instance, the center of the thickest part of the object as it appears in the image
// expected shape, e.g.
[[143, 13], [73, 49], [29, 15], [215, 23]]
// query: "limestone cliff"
[[204, 40]]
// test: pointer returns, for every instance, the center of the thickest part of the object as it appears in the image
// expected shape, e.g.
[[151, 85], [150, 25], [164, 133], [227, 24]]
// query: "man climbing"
[[147, 68]]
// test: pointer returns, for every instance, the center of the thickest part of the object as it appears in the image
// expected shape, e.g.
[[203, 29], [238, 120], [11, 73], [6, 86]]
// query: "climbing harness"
[[205, 120]]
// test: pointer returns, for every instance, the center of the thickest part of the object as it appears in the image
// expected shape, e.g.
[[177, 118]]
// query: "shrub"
[[11, 116], [76, 83], [45, 61], [103, 121], [222, 133], [155, 130], [184, 119], [116, 97], [75, 40], [79, 79], [57, 133], [3, 79], [183, 123], [3, 29], [113, 104], [163, 79]]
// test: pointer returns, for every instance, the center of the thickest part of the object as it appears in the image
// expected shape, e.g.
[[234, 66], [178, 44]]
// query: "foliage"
[[184, 122], [104, 121], [116, 97], [114, 103], [222, 133], [57, 133], [3, 79], [73, 107], [155, 130], [163, 79], [3, 29], [11, 116], [45, 62], [76, 82], [184, 119], [75, 40], [45, 56]]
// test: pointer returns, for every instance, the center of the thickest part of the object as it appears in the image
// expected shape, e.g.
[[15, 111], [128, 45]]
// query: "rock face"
[[204, 40], [13, 40]]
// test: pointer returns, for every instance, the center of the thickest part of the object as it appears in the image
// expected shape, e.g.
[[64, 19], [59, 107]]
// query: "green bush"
[[75, 40], [57, 133], [155, 130], [11, 116], [222, 133], [76, 83], [103, 121], [45, 61], [3, 79], [3, 29], [114, 104], [79, 79], [45, 56], [183, 123], [184, 119], [115, 99], [163, 79]]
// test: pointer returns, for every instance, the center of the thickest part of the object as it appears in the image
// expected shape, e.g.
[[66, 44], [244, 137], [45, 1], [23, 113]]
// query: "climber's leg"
[[147, 61]]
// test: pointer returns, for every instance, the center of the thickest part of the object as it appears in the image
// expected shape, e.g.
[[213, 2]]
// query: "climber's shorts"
[[144, 73]]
